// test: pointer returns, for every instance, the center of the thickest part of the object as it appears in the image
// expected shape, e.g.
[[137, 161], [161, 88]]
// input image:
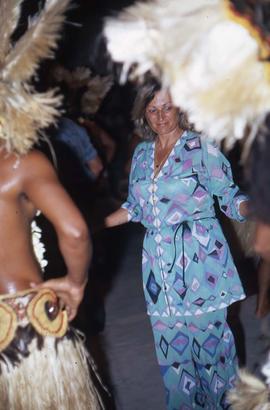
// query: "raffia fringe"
[[53, 378], [250, 393]]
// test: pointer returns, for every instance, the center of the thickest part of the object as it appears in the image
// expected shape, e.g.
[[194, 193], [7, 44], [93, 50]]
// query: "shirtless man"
[[29, 184], [43, 361], [34, 315]]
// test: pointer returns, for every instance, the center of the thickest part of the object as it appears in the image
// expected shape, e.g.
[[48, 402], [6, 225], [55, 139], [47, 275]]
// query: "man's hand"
[[69, 293], [95, 165]]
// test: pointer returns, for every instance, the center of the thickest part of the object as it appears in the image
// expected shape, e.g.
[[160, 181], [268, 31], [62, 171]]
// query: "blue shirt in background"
[[77, 139]]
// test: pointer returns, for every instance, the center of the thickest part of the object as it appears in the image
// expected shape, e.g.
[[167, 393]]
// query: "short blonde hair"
[[144, 96]]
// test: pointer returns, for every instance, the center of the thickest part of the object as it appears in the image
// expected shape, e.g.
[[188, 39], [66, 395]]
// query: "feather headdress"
[[212, 58], [250, 393], [95, 87], [23, 110]]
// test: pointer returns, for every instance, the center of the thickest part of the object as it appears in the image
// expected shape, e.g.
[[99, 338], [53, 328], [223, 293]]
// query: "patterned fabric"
[[187, 265], [197, 360]]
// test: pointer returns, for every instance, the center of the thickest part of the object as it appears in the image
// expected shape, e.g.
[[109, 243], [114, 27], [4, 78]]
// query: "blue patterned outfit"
[[189, 276]]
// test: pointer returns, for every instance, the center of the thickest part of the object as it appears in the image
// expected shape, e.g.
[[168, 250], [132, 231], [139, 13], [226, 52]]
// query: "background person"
[[252, 392], [77, 139]]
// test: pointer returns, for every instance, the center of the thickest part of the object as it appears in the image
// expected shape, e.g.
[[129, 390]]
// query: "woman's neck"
[[170, 138]]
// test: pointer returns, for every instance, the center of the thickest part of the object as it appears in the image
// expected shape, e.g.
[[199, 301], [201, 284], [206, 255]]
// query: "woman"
[[189, 276]]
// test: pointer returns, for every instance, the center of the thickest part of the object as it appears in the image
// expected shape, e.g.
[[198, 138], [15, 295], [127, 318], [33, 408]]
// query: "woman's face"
[[161, 115]]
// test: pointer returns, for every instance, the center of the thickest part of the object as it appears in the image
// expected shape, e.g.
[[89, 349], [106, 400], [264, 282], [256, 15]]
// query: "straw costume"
[[43, 362], [91, 88]]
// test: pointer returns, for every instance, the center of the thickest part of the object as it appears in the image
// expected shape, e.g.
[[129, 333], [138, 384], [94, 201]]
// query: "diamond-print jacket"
[[187, 265]]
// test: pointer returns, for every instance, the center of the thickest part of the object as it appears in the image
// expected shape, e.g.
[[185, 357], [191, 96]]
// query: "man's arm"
[[101, 137], [41, 186]]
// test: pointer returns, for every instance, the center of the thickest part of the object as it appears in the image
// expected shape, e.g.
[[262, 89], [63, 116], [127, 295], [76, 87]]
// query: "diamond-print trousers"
[[197, 360]]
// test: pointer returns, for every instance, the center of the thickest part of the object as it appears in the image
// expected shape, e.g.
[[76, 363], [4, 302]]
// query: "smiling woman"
[[189, 277], [142, 113], [163, 119]]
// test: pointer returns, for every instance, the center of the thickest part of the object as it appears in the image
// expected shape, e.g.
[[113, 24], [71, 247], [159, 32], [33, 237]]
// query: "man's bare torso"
[[18, 265]]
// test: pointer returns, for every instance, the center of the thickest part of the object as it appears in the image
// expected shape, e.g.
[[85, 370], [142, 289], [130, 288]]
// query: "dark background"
[[81, 42]]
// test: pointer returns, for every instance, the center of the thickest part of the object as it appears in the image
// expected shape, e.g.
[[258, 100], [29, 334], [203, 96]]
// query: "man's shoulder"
[[34, 155], [15, 162], [35, 162]]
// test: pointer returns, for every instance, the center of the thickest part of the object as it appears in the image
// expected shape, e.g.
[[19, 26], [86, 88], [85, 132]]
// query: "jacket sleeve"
[[221, 183], [131, 204]]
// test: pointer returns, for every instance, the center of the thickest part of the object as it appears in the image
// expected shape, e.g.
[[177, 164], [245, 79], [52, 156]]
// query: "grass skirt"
[[250, 393], [43, 363]]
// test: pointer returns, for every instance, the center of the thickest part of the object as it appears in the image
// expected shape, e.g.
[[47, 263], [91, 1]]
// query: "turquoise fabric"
[[197, 360], [187, 265]]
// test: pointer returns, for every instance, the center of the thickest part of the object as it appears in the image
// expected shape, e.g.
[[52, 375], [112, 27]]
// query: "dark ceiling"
[[82, 42]]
